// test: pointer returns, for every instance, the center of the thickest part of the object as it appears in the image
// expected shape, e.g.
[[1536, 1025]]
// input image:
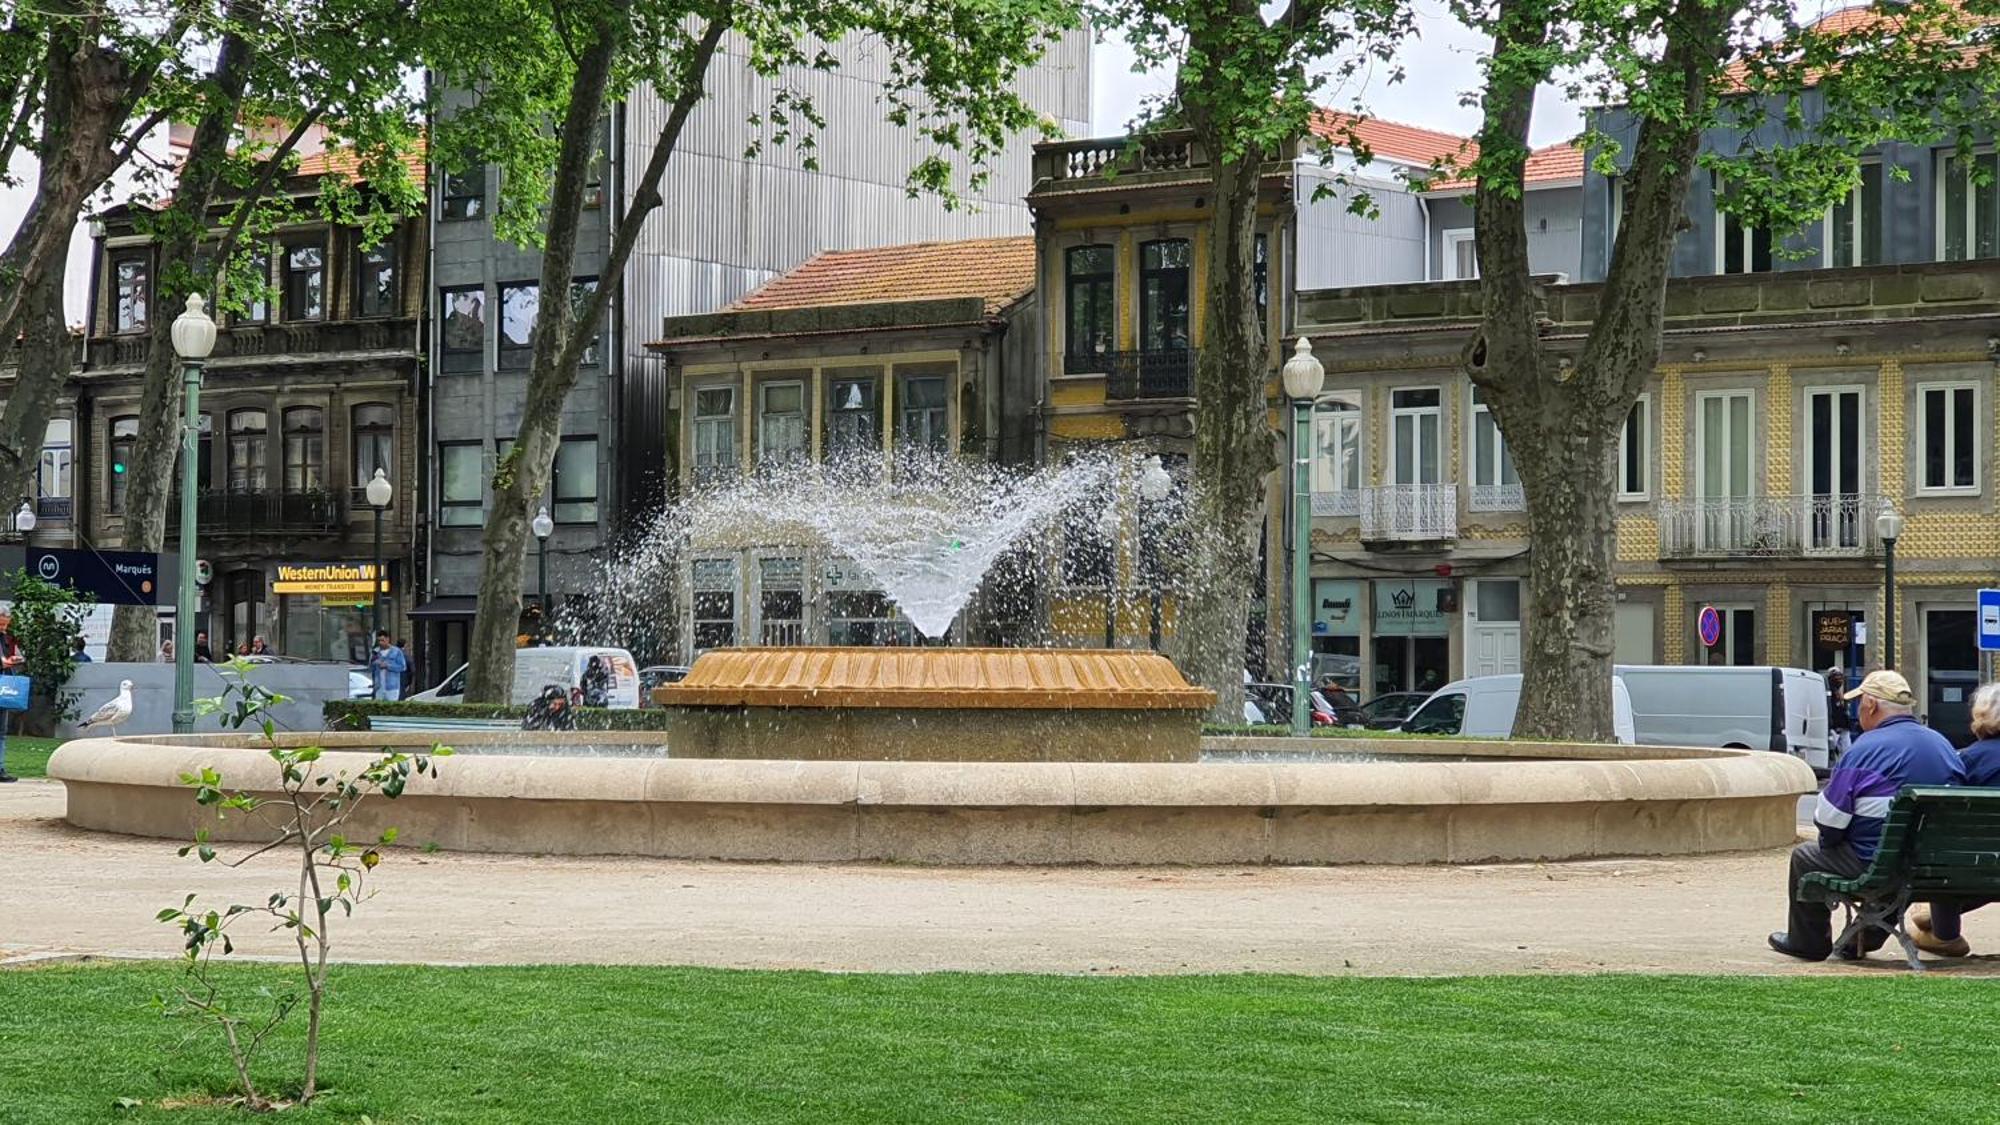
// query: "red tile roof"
[[344, 161], [998, 270], [1549, 165], [1410, 144]]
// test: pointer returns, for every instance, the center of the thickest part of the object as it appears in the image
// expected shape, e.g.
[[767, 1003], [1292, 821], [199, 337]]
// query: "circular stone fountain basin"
[[1497, 801], [935, 704]]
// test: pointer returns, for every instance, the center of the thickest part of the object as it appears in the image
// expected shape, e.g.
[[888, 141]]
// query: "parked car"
[[1275, 702], [561, 665], [360, 685], [654, 675], [1757, 707], [1484, 706], [1388, 710]]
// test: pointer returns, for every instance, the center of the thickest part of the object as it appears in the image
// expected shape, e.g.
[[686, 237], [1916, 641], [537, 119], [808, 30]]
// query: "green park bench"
[[1939, 845]]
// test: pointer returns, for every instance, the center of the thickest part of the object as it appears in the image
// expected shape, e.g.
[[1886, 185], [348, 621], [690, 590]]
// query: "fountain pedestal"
[[935, 704]]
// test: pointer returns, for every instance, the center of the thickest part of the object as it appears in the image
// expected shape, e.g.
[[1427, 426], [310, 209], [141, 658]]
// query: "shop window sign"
[[1417, 608]]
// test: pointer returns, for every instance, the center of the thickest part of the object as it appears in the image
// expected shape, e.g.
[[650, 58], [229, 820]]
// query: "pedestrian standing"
[[1839, 718], [12, 660], [390, 666], [79, 651]]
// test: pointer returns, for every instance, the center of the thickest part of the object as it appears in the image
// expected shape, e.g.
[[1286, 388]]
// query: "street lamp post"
[[544, 527], [194, 339], [1304, 376], [1888, 526], [380, 492]]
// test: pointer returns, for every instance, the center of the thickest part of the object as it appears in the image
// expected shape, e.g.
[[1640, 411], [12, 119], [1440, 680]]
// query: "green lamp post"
[[1303, 377], [194, 338]]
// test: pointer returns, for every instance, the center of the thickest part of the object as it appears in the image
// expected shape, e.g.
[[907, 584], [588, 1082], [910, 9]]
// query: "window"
[[374, 434], [1163, 295], [714, 432], [1442, 715], [1951, 443], [519, 305], [132, 275], [1617, 217], [1496, 487], [923, 416], [853, 416], [714, 609], [247, 430], [1090, 308], [575, 483], [859, 614], [124, 442], [205, 473], [1854, 226], [462, 337], [1834, 469], [1461, 255], [1968, 207], [1725, 452], [580, 291], [464, 194], [1414, 418], [1738, 248], [305, 276], [781, 601], [253, 282], [460, 484], [305, 448], [1336, 467], [1635, 452], [781, 423], [375, 280], [1260, 273], [52, 474]]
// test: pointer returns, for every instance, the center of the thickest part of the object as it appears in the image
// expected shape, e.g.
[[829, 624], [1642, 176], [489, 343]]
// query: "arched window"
[[374, 433], [248, 430], [305, 449]]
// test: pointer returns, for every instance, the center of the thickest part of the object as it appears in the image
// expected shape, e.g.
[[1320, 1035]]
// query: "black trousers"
[[1811, 925]]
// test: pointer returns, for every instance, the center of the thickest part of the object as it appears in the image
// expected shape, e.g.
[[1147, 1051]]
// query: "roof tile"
[[998, 270]]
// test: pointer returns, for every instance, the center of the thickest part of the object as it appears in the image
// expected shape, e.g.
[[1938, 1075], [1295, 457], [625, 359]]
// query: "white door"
[[1493, 627], [1834, 444], [1725, 444]]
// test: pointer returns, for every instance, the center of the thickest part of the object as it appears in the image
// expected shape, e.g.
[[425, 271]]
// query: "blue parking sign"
[[1989, 620]]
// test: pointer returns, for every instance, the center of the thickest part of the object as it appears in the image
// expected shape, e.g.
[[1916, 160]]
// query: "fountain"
[[966, 755]]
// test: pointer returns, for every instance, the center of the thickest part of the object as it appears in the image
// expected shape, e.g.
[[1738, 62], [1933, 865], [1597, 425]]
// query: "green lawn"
[[29, 757], [644, 1045]]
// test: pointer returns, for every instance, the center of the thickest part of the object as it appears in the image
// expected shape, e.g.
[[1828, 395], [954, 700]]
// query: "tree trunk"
[[1233, 441], [562, 335], [46, 357], [151, 477]]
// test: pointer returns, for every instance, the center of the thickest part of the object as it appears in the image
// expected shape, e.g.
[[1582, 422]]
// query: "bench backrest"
[[1946, 840]]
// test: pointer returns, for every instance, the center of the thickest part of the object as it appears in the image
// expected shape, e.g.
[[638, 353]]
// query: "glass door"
[[1723, 472], [1834, 509]]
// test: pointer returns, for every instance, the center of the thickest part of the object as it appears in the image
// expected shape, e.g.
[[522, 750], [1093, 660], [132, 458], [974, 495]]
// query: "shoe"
[[1782, 942], [6, 777], [1939, 947], [1920, 918]]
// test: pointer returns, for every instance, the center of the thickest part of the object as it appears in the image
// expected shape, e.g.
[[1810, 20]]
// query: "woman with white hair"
[[1937, 927]]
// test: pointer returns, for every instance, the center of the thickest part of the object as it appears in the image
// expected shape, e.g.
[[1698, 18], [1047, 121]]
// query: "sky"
[[1441, 64]]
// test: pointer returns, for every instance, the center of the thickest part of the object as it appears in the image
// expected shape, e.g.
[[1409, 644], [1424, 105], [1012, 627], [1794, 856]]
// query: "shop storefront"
[[1336, 639], [325, 610], [1412, 633]]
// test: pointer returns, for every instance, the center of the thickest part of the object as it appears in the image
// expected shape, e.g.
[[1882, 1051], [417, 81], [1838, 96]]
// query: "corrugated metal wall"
[[1339, 248]]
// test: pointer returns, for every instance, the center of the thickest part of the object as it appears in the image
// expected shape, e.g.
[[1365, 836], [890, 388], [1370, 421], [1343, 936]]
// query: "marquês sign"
[[105, 577], [335, 578]]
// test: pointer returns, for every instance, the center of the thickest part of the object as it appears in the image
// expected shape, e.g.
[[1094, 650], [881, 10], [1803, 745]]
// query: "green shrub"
[[352, 714]]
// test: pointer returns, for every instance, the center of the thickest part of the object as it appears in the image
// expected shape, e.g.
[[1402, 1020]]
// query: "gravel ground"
[[65, 892]]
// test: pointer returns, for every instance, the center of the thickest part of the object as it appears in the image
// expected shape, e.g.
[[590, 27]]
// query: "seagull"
[[114, 713]]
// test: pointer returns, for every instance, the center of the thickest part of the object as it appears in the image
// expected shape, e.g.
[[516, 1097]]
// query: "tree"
[[1677, 69], [1247, 86], [46, 620], [952, 71], [337, 61]]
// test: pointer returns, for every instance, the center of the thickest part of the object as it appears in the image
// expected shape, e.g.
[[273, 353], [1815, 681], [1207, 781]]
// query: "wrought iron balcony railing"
[[1409, 512], [224, 512], [1166, 373], [1826, 525]]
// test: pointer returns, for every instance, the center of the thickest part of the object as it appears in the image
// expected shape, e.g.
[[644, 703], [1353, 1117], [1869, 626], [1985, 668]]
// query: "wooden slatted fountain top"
[[978, 678]]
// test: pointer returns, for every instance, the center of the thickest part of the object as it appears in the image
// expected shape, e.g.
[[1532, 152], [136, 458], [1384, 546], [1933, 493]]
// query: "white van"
[[537, 668], [1758, 707], [1483, 707]]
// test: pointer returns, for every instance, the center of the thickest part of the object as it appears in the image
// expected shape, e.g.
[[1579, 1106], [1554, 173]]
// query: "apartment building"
[[734, 219]]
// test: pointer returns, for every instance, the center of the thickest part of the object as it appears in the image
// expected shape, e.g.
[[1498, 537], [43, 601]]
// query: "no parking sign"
[[1708, 626]]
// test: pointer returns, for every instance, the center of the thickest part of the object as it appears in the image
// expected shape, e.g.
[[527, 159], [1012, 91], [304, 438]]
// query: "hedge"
[[1281, 730], [352, 714]]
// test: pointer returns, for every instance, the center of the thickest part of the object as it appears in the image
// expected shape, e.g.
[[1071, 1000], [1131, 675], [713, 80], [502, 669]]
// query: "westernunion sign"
[[328, 578]]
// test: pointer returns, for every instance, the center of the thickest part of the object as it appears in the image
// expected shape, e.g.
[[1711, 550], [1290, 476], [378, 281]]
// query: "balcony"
[[1838, 525], [1169, 157], [1409, 513], [1131, 376], [304, 337], [227, 514], [1497, 498], [1346, 502]]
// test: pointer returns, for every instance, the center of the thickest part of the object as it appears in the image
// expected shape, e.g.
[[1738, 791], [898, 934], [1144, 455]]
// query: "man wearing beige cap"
[[1895, 751]]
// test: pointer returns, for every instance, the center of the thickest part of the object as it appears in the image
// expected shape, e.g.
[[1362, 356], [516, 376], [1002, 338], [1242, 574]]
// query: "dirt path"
[[63, 891]]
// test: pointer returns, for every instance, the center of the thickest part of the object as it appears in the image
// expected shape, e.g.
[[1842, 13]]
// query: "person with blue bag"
[[13, 685]]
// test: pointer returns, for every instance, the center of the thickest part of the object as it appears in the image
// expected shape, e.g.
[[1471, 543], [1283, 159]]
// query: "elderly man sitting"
[[1894, 751], [1937, 927]]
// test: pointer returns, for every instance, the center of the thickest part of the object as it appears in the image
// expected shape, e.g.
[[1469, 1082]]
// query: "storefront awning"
[[456, 605]]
